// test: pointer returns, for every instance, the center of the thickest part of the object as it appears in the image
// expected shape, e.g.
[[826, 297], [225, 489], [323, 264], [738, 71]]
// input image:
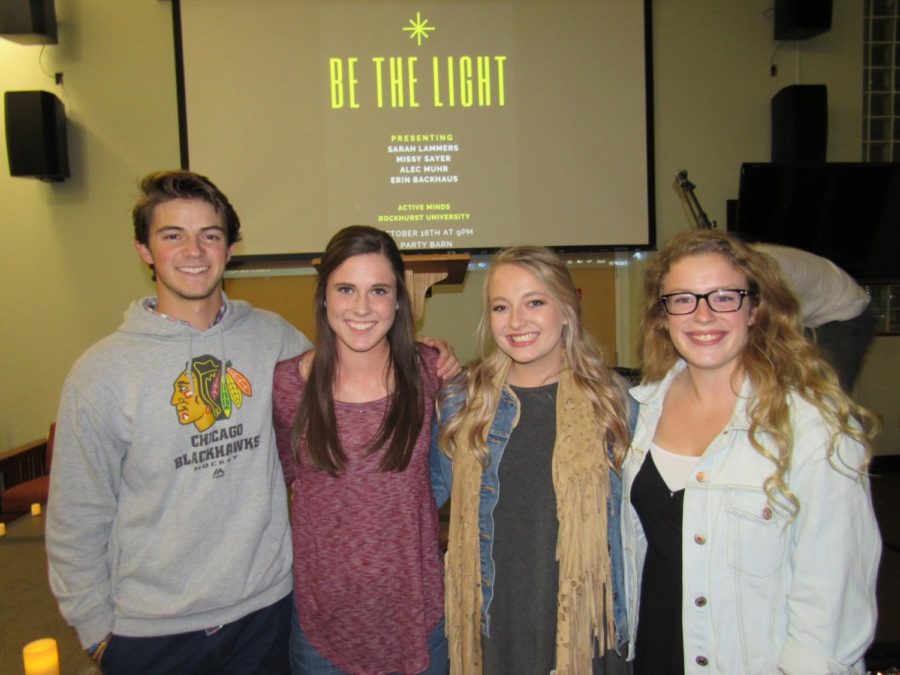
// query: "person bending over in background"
[[835, 310]]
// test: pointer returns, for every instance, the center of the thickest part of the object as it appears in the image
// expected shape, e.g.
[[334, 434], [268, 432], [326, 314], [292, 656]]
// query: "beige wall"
[[67, 266], [67, 270]]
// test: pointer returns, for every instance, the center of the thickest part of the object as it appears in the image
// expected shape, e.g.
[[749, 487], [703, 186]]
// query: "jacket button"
[[701, 477], [700, 601], [702, 661], [767, 513], [699, 539]]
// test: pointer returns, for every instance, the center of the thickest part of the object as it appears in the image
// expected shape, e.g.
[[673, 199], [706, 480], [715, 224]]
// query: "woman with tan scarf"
[[533, 570]]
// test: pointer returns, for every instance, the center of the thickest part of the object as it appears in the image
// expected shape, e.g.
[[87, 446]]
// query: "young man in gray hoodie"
[[167, 527]]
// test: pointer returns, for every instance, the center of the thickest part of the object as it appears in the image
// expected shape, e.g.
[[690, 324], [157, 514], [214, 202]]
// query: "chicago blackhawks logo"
[[207, 391]]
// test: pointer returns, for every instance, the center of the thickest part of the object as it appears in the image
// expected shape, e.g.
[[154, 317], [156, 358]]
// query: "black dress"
[[659, 648]]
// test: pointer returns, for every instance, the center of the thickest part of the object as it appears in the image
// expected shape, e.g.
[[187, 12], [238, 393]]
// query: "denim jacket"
[[762, 593], [501, 428]]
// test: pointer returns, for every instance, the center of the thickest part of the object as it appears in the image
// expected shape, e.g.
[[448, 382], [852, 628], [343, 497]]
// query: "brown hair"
[[315, 422], [165, 186]]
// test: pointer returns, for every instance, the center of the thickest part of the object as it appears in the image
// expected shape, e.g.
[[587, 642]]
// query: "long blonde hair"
[[778, 359], [583, 356]]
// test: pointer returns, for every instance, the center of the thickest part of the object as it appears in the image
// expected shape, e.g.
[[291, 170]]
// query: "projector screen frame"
[[253, 261]]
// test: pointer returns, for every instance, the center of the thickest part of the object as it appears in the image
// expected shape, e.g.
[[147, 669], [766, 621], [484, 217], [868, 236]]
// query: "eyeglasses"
[[721, 301]]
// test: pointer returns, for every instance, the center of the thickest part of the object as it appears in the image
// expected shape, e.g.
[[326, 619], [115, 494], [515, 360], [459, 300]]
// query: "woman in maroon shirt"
[[353, 423]]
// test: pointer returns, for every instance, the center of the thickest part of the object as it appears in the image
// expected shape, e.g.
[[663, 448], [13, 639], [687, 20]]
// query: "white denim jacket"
[[762, 594]]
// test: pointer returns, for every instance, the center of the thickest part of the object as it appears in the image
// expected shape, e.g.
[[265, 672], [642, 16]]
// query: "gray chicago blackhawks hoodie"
[[167, 508]]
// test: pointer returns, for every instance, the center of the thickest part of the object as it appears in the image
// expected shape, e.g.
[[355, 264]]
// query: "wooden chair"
[[26, 474]]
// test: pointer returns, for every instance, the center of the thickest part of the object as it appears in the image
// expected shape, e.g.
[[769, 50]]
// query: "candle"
[[35, 509], [41, 657], [2, 529]]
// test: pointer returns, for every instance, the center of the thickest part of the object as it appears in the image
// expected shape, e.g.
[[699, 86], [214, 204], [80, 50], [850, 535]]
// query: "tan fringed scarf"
[[584, 600]]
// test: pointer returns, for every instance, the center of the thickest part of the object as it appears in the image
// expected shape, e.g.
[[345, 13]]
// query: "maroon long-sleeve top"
[[367, 572]]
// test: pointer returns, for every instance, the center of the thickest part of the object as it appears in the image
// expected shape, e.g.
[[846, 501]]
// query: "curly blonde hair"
[[778, 358], [583, 355]]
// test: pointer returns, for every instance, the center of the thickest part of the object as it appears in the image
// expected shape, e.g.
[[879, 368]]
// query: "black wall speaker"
[[801, 19], [800, 123], [28, 21], [36, 135]]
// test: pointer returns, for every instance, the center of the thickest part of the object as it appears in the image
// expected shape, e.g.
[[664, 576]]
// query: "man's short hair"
[[164, 186]]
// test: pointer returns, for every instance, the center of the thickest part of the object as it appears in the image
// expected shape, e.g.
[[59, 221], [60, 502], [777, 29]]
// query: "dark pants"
[[255, 644], [844, 344]]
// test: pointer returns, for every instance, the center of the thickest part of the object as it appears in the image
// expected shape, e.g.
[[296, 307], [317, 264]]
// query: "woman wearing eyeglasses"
[[750, 541]]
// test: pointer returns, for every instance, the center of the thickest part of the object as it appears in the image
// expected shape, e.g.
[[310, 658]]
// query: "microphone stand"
[[701, 220]]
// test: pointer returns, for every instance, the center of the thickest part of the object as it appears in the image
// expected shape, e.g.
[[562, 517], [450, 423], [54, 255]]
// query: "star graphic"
[[418, 28]]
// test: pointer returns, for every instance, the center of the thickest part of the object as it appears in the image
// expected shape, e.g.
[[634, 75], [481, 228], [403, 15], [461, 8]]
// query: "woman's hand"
[[447, 363]]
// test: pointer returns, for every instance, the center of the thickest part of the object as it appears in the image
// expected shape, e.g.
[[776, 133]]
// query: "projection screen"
[[457, 126]]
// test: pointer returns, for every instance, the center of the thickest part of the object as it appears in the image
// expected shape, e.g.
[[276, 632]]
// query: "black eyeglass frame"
[[742, 293]]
